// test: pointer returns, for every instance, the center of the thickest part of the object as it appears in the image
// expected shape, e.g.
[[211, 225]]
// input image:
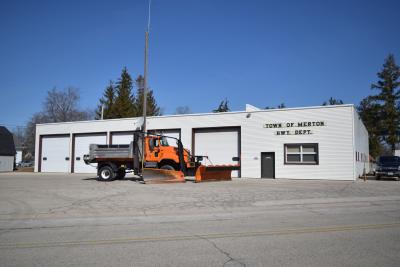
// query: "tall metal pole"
[[146, 48], [146, 51], [145, 80]]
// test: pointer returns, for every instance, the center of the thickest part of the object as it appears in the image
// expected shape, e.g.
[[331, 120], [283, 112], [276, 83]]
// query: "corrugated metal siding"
[[335, 139], [361, 147], [6, 163]]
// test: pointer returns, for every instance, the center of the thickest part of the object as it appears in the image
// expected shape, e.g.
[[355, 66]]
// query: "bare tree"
[[59, 106], [30, 132], [183, 110], [19, 136]]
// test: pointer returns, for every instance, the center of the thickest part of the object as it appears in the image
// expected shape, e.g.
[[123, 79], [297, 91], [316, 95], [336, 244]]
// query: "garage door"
[[81, 147], [55, 155], [219, 144], [121, 138]]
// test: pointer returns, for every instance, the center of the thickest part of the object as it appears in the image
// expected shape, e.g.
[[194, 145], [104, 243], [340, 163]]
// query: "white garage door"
[[55, 154], [121, 138], [82, 143], [127, 137], [220, 145]]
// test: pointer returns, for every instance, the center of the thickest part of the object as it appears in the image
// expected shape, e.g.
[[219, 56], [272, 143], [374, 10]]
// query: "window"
[[301, 154]]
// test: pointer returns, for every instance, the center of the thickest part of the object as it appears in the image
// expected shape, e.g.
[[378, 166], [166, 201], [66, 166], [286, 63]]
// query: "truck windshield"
[[163, 141], [389, 159]]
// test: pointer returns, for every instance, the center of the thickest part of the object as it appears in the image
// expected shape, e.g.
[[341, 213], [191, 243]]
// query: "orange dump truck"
[[162, 161]]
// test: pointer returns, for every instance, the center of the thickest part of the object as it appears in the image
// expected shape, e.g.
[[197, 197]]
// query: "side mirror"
[[235, 159], [151, 144]]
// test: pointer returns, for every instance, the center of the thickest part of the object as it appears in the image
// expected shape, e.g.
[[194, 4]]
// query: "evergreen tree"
[[107, 102], [223, 107], [124, 103], [388, 98], [370, 114], [282, 105], [152, 109], [333, 101]]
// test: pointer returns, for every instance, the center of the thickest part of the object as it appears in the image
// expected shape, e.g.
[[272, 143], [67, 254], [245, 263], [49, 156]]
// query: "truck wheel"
[[106, 174], [121, 173], [167, 167]]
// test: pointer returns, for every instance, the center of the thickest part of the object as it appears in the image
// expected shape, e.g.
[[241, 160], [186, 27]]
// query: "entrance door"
[[268, 165]]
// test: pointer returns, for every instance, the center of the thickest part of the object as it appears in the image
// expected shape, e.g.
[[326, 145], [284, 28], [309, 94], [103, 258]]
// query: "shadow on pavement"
[[132, 179]]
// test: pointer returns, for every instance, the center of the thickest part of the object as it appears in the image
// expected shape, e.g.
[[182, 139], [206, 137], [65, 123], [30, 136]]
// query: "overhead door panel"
[[219, 144], [55, 156], [81, 147], [121, 138]]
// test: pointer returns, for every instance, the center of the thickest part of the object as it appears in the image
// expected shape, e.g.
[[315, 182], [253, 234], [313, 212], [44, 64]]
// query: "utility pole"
[[146, 49]]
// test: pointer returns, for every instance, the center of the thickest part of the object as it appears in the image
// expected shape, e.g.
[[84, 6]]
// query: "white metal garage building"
[[325, 142]]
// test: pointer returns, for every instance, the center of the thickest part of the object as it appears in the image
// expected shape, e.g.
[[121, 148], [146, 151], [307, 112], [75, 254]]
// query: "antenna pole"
[[145, 80], [146, 49]]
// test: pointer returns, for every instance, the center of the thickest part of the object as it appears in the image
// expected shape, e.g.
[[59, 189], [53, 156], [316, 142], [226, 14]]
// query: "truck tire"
[[167, 167], [106, 174], [121, 173]]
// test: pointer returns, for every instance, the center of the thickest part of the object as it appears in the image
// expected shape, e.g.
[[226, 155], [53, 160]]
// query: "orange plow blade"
[[158, 176], [214, 173]]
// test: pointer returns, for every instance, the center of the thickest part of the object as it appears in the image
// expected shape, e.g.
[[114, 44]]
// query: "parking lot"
[[70, 219]]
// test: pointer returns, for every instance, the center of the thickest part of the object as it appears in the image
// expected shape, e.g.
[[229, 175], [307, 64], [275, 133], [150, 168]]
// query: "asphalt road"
[[73, 220]]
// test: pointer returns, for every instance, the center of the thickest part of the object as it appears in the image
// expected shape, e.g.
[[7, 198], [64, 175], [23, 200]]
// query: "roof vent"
[[251, 108]]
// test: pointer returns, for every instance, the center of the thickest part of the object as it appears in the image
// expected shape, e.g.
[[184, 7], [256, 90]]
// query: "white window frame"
[[301, 153]]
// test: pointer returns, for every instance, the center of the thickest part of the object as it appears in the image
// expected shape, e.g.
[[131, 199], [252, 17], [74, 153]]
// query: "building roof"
[[7, 147], [250, 109]]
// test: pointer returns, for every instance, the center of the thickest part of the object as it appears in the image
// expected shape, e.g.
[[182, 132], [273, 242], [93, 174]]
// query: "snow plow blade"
[[159, 176], [215, 173]]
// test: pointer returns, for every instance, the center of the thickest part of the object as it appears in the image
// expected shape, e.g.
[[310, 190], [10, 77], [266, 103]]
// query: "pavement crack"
[[144, 212], [230, 258], [78, 203]]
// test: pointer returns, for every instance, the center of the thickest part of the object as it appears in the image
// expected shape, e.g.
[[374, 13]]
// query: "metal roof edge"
[[203, 114]]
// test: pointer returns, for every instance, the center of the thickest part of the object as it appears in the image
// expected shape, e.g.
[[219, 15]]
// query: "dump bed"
[[101, 152]]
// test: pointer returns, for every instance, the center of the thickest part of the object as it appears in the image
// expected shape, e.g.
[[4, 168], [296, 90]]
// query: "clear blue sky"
[[201, 51]]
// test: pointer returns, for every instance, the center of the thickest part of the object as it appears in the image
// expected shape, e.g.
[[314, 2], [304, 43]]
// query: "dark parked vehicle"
[[388, 166], [24, 164]]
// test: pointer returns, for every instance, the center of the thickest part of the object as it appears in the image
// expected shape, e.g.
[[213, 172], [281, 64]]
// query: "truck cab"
[[160, 154]]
